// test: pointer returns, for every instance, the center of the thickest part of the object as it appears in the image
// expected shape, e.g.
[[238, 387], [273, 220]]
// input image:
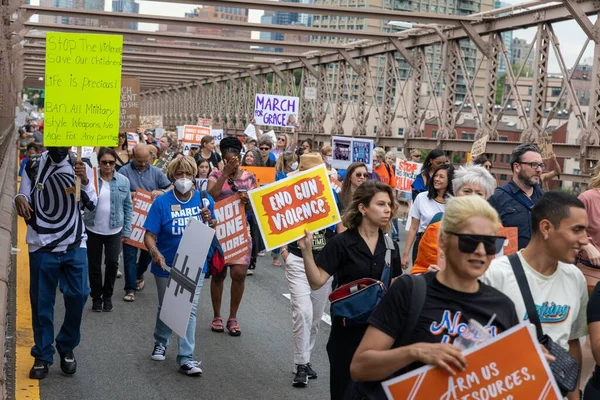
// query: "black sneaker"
[[158, 354], [107, 305], [312, 374], [97, 305], [39, 370], [301, 378], [191, 368], [68, 363]]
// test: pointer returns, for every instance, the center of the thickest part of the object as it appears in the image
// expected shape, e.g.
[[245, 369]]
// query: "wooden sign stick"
[[77, 178]]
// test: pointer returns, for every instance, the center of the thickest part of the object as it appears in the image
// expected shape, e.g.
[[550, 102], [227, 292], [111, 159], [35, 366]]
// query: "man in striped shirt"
[[57, 255]]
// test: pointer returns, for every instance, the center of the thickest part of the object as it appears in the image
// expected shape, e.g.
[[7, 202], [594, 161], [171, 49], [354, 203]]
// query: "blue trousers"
[[134, 267], [69, 271]]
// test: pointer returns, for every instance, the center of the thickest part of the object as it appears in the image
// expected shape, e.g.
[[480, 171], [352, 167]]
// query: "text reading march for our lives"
[[83, 88]]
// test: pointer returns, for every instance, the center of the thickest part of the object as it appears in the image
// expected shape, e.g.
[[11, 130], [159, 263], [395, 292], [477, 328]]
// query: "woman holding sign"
[[359, 252], [166, 222], [398, 340], [221, 185]]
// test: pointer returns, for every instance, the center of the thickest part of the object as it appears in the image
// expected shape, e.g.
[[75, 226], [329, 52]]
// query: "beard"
[[531, 181]]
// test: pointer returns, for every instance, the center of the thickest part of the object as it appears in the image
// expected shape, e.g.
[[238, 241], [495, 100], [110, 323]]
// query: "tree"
[[500, 88]]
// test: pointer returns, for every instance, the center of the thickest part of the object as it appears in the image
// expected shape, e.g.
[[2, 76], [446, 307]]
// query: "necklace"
[[182, 202]]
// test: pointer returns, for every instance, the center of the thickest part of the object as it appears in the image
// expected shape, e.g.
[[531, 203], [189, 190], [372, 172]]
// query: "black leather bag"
[[565, 369]]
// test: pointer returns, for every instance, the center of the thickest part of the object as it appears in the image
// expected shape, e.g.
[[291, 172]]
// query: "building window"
[[375, 130], [503, 177], [556, 91], [529, 90], [434, 133], [401, 132]]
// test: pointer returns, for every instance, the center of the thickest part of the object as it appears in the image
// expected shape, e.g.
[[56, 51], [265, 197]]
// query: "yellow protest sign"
[[287, 207], [83, 89]]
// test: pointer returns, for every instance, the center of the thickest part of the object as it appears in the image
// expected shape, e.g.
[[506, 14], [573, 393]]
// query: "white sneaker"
[[249, 272], [119, 273], [158, 354], [191, 368]]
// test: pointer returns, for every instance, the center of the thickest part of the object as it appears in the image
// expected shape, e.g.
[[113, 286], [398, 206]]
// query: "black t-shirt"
[[348, 257], [320, 239], [213, 160], [593, 308], [446, 312]]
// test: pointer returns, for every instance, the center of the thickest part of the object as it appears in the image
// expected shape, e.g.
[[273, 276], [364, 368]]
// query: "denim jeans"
[[68, 270], [134, 268], [162, 332]]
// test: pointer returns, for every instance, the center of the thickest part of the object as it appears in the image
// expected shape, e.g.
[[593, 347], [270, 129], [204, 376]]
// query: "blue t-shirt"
[[279, 175], [168, 218]]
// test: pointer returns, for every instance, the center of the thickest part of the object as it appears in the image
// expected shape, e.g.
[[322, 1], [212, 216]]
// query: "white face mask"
[[183, 185], [328, 160], [295, 166]]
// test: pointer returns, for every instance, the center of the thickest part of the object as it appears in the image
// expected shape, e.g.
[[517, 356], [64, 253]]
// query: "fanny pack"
[[355, 301], [565, 369]]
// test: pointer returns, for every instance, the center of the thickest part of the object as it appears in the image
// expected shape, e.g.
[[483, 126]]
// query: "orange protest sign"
[[264, 175], [510, 366], [287, 207], [511, 245], [193, 134], [335, 185], [406, 173], [142, 201], [232, 228]]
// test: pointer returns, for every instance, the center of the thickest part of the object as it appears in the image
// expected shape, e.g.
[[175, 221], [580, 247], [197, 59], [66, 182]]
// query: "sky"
[[570, 35]]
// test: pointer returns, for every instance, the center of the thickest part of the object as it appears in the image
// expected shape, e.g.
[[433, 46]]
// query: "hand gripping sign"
[[184, 276], [287, 207], [510, 366], [142, 201]]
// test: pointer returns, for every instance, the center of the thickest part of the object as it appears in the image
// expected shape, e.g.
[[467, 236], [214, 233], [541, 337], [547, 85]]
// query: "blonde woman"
[[469, 237], [591, 200]]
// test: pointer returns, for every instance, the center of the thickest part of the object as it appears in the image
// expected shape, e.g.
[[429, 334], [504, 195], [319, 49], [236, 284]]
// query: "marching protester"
[[382, 169], [57, 256], [221, 185], [32, 150], [434, 159], [265, 144], [356, 174], [165, 226], [195, 152], [252, 158], [283, 144], [472, 180], [153, 150], [165, 144], [514, 201], [359, 252], [426, 206], [483, 161], [592, 387], [545, 267], [326, 154], [106, 225], [591, 200], [306, 147], [399, 339], [308, 305], [122, 151], [208, 152], [141, 175], [415, 155]]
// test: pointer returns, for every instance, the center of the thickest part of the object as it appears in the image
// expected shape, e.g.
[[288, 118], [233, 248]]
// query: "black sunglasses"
[[361, 175], [468, 243], [106, 162], [265, 148], [231, 183]]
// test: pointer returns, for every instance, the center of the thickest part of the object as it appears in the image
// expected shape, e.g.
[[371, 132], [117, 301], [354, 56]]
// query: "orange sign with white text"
[[510, 366], [142, 201], [511, 245], [193, 134], [286, 208], [232, 228]]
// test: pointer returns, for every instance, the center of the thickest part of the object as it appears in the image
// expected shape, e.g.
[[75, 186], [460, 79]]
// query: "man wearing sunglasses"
[[558, 287], [515, 200]]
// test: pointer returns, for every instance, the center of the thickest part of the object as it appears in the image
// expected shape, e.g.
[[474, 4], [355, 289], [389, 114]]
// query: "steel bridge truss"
[[376, 76]]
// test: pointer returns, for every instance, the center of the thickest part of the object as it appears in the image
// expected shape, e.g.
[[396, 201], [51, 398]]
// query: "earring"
[[545, 237]]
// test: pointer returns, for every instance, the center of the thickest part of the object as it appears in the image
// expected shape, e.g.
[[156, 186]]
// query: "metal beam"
[[180, 36], [481, 44], [322, 9], [173, 50], [579, 16], [219, 24]]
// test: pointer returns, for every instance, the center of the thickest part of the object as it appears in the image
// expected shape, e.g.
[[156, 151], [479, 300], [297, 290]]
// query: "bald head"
[[141, 156]]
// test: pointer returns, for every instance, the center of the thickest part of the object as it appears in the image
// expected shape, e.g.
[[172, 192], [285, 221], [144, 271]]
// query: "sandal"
[[233, 327], [140, 285], [276, 262], [129, 297], [217, 325]]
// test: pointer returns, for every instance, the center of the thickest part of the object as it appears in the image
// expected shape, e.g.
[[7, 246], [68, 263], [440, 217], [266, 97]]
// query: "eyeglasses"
[[231, 183], [281, 139], [468, 243], [361, 175], [106, 162], [535, 165], [265, 148]]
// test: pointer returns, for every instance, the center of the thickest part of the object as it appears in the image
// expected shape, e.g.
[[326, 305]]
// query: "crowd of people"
[[456, 258]]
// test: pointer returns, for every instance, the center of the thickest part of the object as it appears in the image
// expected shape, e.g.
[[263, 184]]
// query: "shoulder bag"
[[354, 302], [565, 369]]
